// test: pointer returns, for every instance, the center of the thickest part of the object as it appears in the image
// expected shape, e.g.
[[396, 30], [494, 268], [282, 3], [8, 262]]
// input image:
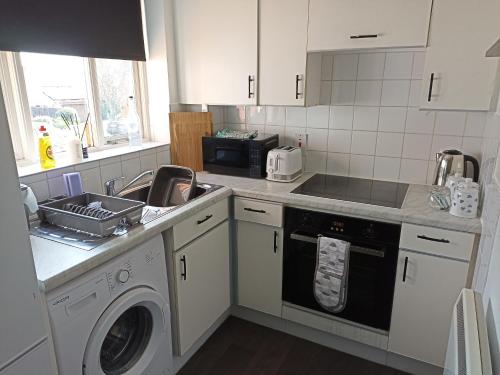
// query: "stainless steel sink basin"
[[140, 192]]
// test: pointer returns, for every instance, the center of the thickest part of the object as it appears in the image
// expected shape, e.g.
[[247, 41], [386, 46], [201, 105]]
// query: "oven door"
[[372, 269]]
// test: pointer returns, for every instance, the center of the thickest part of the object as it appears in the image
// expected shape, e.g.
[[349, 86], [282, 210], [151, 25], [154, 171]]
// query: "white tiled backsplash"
[[96, 173], [368, 124]]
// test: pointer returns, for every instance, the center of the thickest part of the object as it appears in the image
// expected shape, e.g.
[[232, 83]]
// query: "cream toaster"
[[284, 164]]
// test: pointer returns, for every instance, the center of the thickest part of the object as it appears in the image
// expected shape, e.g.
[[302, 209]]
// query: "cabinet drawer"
[[437, 241], [257, 211], [199, 223]]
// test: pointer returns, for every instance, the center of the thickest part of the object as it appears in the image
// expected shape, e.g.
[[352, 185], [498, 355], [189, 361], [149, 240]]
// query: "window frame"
[[18, 109]]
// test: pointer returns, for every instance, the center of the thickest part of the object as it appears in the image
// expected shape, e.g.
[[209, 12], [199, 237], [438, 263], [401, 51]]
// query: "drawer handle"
[[184, 267], [404, 271], [208, 217], [254, 210], [275, 242], [364, 36], [440, 240]]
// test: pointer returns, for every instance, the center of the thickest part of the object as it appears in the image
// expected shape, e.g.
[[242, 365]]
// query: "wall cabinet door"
[[455, 64], [283, 52], [260, 258], [348, 24], [423, 305], [217, 51], [202, 284]]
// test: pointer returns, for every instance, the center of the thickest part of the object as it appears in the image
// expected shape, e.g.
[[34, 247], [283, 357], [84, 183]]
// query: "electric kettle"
[[451, 163]]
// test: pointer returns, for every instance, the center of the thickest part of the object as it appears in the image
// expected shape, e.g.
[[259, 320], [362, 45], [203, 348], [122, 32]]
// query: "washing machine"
[[116, 318]]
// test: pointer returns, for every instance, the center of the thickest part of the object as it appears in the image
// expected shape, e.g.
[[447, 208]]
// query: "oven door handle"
[[354, 249]]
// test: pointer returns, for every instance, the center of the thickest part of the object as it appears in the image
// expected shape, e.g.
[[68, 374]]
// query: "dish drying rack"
[[95, 214]]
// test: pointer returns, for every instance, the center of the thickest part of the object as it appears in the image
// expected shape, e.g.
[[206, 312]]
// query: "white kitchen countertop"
[[57, 264]]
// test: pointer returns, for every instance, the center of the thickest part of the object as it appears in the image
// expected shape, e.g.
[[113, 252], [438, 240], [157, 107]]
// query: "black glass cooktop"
[[378, 193]]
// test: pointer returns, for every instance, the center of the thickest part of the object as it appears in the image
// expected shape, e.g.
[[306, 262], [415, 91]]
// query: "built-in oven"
[[372, 265]]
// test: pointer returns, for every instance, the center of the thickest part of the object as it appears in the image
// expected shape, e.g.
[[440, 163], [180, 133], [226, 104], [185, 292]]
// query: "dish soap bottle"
[[47, 159], [133, 123]]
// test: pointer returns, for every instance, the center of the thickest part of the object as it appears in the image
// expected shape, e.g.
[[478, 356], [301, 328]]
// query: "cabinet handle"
[[254, 210], [364, 36], [404, 271], [251, 94], [275, 242], [441, 240], [205, 219], [431, 84], [298, 78], [184, 267]]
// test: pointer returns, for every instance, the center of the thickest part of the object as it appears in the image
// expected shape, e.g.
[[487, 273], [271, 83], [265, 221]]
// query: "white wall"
[[487, 275], [369, 124]]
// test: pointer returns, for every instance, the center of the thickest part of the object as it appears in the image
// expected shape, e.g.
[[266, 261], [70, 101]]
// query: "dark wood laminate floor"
[[239, 347]]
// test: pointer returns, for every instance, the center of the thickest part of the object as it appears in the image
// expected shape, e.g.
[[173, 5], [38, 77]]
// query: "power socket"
[[301, 141]]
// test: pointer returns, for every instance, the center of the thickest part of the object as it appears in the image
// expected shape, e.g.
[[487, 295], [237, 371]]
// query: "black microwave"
[[238, 157]]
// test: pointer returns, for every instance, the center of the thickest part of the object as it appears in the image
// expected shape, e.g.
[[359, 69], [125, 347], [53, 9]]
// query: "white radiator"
[[468, 349]]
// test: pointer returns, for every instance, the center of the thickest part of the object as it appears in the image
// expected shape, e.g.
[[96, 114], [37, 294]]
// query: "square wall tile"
[[368, 93], [260, 129], [413, 171], [415, 93], [472, 146], [417, 146], [418, 65], [341, 117], [366, 118], [345, 67], [318, 116], [386, 168], [395, 93], [317, 139], [296, 116], [40, 189], [392, 119], [91, 180], [338, 164], [343, 92], [130, 169], [389, 144], [234, 114], [163, 158], [217, 113], [316, 161], [56, 186], [444, 142], [111, 171], [280, 130], [363, 142], [148, 162], [475, 124], [275, 115], [339, 141], [450, 123], [421, 122], [256, 115], [325, 93], [398, 65], [291, 135], [326, 67], [361, 166], [371, 66]]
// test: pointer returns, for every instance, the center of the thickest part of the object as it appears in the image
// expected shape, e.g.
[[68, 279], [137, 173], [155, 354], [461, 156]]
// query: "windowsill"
[[26, 168]]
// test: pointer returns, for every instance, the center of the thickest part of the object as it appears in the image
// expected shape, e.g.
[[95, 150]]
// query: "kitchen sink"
[[140, 192]]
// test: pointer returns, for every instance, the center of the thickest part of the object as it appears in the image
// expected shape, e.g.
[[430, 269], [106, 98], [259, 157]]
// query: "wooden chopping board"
[[186, 131]]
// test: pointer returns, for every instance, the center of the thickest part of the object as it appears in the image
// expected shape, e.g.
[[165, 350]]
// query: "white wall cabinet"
[[217, 51], [455, 64], [283, 52], [347, 24], [202, 284], [426, 289], [260, 258]]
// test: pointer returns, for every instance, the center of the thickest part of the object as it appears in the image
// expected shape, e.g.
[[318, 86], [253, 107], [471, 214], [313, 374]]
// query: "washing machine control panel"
[[119, 276]]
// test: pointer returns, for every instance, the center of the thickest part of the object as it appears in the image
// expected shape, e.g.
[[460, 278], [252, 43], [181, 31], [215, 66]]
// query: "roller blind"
[[89, 28]]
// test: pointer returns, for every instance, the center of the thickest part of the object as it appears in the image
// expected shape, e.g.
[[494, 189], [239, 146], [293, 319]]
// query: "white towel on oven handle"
[[331, 274]]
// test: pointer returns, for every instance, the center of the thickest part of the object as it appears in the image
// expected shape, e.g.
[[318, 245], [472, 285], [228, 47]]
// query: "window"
[[62, 92]]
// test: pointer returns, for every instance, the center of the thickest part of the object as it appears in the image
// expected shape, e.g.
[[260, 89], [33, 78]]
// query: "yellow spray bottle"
[[47, 159]]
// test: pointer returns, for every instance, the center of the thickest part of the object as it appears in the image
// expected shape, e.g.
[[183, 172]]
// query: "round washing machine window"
[[126, 340], [128, 335]]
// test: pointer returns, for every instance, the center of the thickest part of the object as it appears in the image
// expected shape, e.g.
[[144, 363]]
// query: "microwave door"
[[230, 156]]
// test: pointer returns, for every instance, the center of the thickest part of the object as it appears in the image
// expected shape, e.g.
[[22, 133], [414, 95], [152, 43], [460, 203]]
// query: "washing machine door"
[[127, 335]]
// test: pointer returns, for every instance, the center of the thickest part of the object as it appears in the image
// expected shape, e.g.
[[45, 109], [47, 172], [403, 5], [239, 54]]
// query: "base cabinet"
[[426, 289], [202, 284], [260, 263]]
